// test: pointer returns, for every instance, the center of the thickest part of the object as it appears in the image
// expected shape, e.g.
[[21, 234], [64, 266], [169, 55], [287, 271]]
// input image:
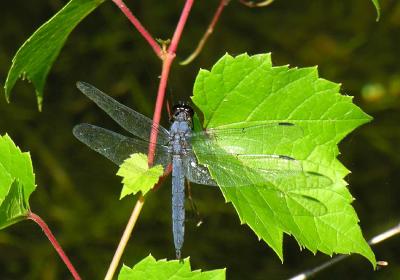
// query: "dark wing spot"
[[286, 124], [286, 157], [313, 173]]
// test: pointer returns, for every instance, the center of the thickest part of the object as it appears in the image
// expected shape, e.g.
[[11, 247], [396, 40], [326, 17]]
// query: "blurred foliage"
[[78, 191]]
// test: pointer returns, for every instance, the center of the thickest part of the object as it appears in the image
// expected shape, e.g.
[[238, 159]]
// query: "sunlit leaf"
[[36, 56], [150, 268], [137, 176], [17, 182], [13, 208], [314, 205]]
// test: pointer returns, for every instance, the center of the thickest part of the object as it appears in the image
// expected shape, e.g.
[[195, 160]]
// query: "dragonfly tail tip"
[[178, 254]]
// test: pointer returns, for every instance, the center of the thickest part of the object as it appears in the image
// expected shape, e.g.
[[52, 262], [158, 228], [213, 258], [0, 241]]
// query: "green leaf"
[[13, 208], [315, 209], [137, 176], [150, 268], [377, 8], [17, 182], [35, 57]]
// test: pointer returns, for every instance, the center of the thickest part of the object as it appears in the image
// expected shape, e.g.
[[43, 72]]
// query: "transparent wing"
[[238, 140], [272, 167], [132, 121], [117, 147], [197, 173], [266, 168], [279, 178]]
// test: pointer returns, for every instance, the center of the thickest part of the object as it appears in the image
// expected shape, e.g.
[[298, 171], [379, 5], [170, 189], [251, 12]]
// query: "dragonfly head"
[[182, 111]]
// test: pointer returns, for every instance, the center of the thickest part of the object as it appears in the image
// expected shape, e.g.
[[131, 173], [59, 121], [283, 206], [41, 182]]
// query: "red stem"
[[167, 58], [53, 241], [142, 30], [179, 27], [208, 32], [166, 67], [159, 103]]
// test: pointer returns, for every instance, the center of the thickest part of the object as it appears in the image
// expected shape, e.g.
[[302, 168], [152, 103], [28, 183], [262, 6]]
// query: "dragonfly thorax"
[[180, 133], [181, 129]]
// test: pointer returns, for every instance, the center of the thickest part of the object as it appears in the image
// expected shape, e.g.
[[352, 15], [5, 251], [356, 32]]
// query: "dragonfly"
[[270, 173]]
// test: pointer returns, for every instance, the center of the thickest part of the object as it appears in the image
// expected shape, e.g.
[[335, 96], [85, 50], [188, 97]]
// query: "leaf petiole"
[[39, 221]]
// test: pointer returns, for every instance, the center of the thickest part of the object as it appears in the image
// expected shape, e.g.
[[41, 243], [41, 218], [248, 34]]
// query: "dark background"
[[78, 191]]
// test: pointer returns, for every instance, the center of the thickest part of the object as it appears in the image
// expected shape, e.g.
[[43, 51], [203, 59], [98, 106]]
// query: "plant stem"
[[373, 241], [142, 30], [207, 34], [166, 66], [167, 59], [179, 27], [125, 238], [53, 241]]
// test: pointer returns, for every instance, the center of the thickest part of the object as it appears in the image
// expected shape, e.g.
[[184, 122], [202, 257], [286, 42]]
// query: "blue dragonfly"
[[175, 146]]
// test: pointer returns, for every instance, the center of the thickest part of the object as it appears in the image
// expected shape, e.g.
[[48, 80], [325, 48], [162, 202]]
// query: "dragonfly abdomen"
[[178, 203]]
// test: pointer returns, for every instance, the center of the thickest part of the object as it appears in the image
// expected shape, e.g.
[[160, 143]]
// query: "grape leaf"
[[13, 208], [150, 268], [247, 90], [377, 8], [35, 57], [17, 182], [137, 176]]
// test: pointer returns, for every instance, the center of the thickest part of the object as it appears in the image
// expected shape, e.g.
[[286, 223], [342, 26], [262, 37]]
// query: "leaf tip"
[[378, 14], [7, 90], [122, 195], [226, 55], [7, 96], [39, 100]]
